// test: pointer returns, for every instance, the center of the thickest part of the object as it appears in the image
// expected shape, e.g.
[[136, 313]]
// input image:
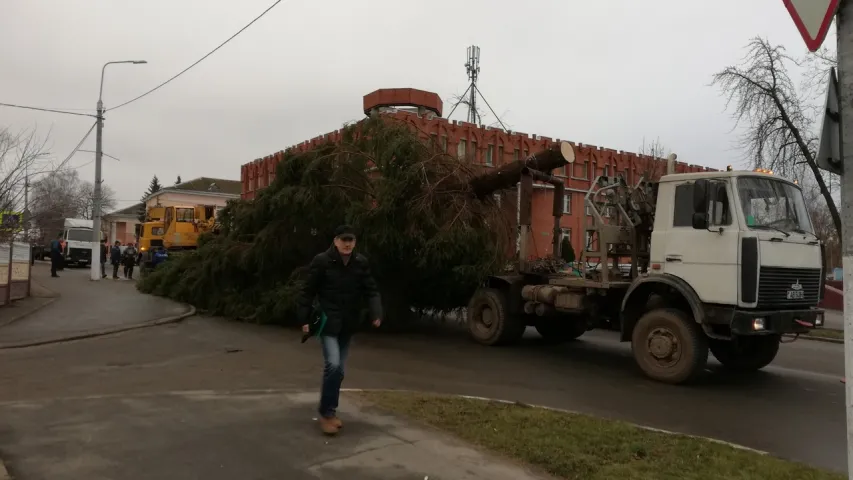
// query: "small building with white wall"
[[200, 191]]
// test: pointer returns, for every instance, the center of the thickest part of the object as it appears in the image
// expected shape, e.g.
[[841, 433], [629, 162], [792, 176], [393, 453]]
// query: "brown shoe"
[[328, 425], [337, 422]]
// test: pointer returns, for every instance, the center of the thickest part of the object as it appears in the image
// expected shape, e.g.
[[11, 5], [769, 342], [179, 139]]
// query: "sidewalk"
[[81, 307], [833, 320], [245, 435]]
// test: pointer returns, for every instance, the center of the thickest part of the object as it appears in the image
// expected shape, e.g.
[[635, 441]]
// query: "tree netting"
[[429, 240]]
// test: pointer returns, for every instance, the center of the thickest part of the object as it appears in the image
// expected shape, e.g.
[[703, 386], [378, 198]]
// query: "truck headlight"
[[818, 321], [758, 324]]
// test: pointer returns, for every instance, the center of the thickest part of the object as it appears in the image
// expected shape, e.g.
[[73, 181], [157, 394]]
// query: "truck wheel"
[[489, 319], [559, 331], [669, 346], [746, 354]]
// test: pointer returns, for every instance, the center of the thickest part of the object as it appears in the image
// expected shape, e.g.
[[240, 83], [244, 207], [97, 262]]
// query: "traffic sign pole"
[[844, 25]]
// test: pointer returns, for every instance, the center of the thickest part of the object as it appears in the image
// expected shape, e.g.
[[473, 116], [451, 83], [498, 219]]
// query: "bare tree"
[[655, 149], [62, 194], [778, 132], [21, 153]]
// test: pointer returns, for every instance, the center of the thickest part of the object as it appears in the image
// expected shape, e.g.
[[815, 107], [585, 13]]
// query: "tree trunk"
[[508, 175], [824, 190]]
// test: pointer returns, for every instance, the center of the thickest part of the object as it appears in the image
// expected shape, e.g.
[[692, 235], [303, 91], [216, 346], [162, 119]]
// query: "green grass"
[[579, 447], [827, 333]]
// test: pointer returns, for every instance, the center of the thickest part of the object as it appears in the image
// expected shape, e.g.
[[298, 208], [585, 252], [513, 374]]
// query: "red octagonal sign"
[[813, 19]]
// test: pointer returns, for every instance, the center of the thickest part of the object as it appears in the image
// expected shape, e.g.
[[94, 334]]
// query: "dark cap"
[[344, 231]]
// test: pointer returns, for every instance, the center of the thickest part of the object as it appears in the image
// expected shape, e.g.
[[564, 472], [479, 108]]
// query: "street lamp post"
[[96, 201]]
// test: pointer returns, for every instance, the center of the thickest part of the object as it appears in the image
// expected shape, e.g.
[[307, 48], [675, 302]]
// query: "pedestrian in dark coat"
[[55, 255], [115, 258], [340, 280]]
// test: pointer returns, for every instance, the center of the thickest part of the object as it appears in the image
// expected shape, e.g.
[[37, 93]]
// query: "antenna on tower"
[[472, 66]]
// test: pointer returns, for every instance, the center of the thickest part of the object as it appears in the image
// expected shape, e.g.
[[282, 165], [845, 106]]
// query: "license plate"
[[795, 294]]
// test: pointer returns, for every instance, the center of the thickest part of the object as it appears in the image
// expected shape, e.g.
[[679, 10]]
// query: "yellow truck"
[[174, 228]]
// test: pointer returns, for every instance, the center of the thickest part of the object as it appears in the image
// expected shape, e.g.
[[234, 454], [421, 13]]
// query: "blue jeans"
[[335, 350]]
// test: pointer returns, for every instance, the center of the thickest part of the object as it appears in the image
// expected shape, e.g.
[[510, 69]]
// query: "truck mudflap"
[[757, 322]]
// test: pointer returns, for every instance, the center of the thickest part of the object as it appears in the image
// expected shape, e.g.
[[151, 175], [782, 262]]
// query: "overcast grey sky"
[[604, 72]]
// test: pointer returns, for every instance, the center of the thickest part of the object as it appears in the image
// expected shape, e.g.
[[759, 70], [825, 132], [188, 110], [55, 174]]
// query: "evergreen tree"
[[153, 187], [430, 242]]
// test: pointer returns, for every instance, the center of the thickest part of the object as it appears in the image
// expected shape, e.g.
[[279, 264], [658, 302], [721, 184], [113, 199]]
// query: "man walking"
[[341, 280]]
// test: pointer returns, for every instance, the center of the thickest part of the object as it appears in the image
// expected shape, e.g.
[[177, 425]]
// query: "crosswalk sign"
[[11, 221]]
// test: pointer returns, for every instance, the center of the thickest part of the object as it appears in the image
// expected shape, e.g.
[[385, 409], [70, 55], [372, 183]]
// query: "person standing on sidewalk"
[[341, 280], [129, 261], [55, 255], [104, 251], [115, 258]]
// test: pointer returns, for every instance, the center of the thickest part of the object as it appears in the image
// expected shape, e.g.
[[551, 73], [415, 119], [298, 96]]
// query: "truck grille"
[[774, 283], [157, 243]]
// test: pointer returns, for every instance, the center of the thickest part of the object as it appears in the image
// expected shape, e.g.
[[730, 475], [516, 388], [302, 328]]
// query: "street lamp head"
[[139, 61]]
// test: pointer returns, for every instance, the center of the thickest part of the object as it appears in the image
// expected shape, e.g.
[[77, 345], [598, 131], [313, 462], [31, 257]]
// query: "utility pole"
[[96, 201], [844, 25], [99, 155]]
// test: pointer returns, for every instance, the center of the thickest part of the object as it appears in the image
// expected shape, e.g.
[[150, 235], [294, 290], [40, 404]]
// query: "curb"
[[815, 338], [51, 298], [27, 314], [560, 410], [99, 333]]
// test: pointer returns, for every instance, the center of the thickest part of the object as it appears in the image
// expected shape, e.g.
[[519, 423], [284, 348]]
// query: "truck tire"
[[669, 346], [747, 354], [489, 319], [559, 331]]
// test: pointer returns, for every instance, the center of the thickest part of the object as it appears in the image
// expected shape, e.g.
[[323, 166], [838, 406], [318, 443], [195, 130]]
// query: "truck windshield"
[[79, 235], [774, 204]]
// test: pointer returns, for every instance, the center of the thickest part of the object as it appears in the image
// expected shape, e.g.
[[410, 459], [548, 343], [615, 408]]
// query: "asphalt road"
[[794, 409]]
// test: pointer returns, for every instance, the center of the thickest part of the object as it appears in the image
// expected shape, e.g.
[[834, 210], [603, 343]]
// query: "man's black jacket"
[[341, 291]]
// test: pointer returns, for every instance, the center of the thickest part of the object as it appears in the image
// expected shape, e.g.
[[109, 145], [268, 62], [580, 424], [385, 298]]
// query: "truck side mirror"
[[700, 204]]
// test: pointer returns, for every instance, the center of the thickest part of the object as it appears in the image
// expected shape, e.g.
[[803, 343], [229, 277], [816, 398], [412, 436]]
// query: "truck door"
[[707, 259]]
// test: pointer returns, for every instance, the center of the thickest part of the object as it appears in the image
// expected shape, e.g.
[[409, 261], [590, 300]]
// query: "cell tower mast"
[[472, 66]]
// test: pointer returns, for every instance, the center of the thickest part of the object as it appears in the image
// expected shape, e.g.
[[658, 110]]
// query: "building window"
[[500, 155], [606, 171], [626, 174], [588, 211], [567, 204], [490, 152], [473, 150], [444, 143], [516, 154], [461, 149], [497, 197], [580, 170]]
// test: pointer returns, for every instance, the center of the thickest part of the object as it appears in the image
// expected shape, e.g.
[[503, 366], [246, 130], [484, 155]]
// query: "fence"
[[20, 271]]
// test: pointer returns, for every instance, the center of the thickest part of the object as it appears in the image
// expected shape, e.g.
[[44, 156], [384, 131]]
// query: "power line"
[[200, 59], [46, 110], [77, 147]]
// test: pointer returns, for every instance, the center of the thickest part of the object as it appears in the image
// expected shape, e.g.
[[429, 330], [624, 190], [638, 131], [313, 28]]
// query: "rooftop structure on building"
[[487, 147]]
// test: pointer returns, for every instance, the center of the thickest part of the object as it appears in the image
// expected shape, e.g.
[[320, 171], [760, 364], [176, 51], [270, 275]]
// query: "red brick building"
[[490, 148]]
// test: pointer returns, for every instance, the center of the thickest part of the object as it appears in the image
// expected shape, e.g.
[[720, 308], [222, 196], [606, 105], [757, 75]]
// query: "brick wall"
[[491, 148]]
